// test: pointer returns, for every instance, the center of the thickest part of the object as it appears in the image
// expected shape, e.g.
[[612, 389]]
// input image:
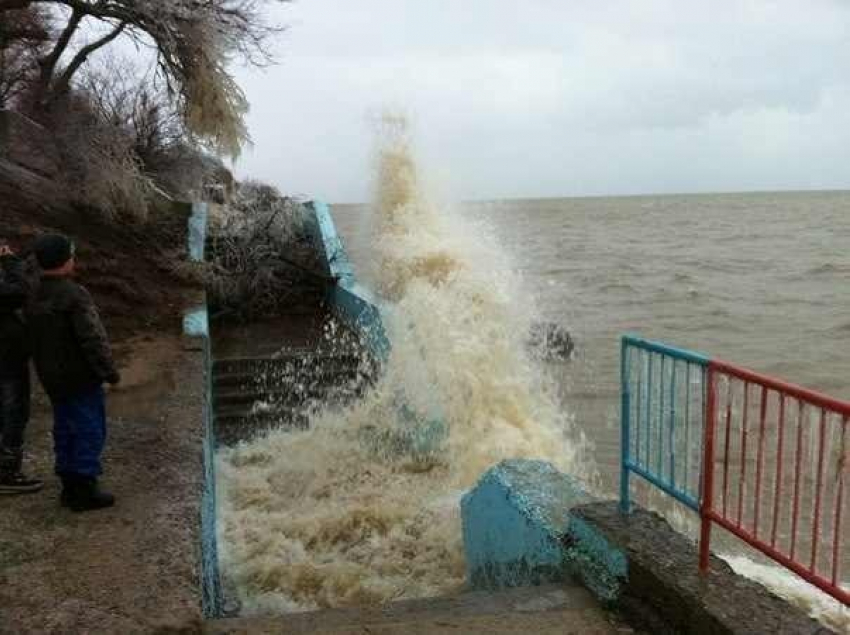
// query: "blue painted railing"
[[662, 418], [683, 415]]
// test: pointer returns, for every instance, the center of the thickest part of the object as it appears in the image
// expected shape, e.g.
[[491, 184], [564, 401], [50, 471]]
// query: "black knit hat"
[[53, 250]]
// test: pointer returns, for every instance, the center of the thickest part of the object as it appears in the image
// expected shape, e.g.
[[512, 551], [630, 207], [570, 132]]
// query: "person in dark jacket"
[[73, 360], [14, 377]]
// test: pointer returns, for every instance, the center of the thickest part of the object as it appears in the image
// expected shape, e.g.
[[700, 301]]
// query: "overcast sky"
[[540, 98]]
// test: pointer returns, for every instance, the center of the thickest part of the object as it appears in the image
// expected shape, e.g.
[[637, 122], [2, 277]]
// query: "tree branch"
[[48, 64], [64, 80]]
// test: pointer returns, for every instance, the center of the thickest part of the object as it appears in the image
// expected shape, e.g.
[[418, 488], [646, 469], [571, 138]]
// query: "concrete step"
[[254, 394], [241, 413], [562, 608], [299, 375], [287, 396], [231, 429], [253, 410], [289, 363]]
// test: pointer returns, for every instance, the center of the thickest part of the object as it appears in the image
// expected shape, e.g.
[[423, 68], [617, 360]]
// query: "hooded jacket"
[[69, 345]]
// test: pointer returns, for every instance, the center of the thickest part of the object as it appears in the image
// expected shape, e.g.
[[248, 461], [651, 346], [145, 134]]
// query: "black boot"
[[17, 483], [12, 480], [86, 495]]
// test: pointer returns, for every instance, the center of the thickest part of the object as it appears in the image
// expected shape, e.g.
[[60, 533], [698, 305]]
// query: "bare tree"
[[100, 170], [135, 104], [192, 41], [128, 100]]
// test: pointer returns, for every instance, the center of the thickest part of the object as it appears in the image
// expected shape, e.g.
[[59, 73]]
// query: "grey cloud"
[[547, 97]]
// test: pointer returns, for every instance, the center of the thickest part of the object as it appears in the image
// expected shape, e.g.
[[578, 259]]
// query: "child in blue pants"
[[73, 359]]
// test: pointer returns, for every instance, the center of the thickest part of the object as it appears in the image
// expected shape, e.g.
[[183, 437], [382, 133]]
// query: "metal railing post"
[[625, 504], [707, 494]]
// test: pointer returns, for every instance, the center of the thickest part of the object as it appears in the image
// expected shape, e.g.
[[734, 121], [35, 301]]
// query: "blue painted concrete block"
[[519, 529], [198, 231], [196, 322], [514, 523]]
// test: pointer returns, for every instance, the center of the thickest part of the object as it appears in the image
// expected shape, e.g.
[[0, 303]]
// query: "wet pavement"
[[565, 609]]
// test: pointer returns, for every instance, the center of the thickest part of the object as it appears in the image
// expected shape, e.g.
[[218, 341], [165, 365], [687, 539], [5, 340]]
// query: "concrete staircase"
[[253, 394], [566, 609]]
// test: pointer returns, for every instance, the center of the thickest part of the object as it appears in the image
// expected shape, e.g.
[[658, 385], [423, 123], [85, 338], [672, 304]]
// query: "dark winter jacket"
[[68, 342], [13, 293]]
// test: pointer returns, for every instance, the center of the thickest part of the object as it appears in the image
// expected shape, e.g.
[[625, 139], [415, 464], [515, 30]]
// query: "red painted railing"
[[775, 460]]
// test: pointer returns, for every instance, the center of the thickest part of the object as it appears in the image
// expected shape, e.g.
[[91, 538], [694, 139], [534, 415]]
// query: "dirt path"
[[132, 568]]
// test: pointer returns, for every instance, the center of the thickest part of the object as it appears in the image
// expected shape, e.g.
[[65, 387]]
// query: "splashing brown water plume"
[[322, 517]]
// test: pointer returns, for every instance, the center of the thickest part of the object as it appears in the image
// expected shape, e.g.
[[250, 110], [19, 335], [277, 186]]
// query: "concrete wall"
[[350, 301], [196, 327]]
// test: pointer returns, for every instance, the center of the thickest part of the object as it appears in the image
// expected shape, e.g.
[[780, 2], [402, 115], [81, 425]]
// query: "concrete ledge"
[[196, 331], [514, 522], [663, 591], [350, 301], [525, 523]]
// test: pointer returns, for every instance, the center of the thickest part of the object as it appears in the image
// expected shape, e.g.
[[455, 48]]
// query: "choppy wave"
[[829, 268], [350, 512], [616, 286]]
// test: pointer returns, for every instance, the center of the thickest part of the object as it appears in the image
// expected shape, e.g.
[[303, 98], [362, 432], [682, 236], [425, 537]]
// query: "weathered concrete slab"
[[664, 591], [561, 608], [514, 522]]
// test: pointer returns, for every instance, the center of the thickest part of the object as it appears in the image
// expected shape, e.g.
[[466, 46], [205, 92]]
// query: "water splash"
[[344, 513]]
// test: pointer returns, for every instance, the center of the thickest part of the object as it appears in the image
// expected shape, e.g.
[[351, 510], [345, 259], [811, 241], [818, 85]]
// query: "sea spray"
[[343, 514]]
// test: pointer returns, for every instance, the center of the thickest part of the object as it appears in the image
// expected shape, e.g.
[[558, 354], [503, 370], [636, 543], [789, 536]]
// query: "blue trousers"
[[79, 433]]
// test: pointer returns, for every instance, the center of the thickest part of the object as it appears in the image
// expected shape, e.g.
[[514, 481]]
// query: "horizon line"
[[633, 195]]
